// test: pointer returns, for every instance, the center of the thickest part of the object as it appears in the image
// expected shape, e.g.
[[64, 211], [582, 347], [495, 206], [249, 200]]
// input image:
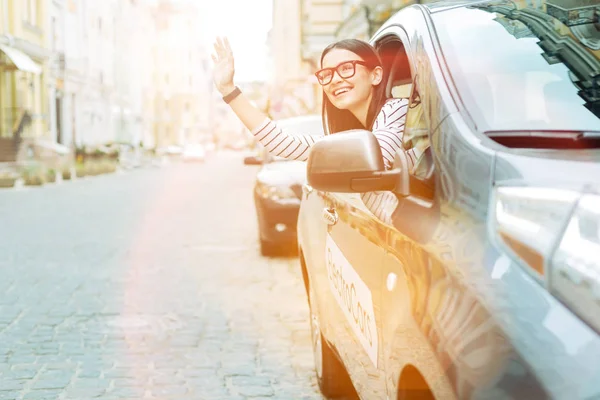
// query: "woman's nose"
[[336, 77]]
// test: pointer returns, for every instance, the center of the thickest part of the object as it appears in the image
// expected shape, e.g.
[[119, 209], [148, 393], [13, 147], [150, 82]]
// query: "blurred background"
[[77, 75], [87, 73]]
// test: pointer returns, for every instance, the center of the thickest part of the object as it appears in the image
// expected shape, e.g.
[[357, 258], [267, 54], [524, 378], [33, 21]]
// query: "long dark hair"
[[342, 120]]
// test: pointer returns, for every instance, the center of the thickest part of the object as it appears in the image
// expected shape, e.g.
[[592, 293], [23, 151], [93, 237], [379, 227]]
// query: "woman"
[[353, 97]]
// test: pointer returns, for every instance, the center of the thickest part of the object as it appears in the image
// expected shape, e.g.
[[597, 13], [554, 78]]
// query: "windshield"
[[298, 126], [509, 79]]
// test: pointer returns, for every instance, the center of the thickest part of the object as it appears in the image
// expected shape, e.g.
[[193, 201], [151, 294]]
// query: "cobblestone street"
[[148, 284]]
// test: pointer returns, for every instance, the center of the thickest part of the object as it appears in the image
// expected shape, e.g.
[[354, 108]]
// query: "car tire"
[[331, 374]]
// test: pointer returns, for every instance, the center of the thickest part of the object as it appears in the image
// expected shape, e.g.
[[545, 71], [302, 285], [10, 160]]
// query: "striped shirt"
[[388, 129]]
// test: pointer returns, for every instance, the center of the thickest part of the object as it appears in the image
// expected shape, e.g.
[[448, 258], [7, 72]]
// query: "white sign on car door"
[[353, 296]]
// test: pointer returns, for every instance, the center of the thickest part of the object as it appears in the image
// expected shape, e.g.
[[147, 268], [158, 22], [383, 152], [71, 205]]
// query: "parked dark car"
[[485, 281], [278, 189]]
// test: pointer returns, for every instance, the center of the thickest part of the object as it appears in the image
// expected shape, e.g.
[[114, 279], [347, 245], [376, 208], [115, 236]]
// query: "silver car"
[[484, 282]]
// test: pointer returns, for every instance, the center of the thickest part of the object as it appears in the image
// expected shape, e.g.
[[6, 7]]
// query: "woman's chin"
[[342, 104]]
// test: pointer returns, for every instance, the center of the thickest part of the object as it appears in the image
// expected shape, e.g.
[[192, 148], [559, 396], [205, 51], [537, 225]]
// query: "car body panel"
[[450, 302], [271, 213], [531, 168], [354, 323]]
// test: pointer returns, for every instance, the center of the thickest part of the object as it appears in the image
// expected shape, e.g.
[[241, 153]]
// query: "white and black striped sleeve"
[[389, 128], [280, 144]]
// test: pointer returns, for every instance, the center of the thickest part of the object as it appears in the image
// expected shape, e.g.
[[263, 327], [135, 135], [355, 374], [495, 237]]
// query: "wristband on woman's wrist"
[[228, 98]]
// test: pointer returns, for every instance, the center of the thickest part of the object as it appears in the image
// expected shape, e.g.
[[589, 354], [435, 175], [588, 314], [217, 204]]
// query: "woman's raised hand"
[[224, 66]]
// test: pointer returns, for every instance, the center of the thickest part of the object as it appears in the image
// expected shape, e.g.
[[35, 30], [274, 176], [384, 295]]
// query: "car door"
[[398, 290], [439, 338], [354, 247], [353, 260]]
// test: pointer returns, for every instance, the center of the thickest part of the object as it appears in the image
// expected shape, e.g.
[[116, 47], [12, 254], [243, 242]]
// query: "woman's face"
[[353, 92]]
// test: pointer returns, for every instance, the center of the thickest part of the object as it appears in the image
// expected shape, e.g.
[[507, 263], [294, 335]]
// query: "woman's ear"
[[376, 76]]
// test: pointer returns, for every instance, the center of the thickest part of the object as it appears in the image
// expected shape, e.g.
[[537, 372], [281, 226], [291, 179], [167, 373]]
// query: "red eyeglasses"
[[345, 70]]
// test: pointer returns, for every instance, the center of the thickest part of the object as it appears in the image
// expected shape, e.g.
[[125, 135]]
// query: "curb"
[[19, 183]]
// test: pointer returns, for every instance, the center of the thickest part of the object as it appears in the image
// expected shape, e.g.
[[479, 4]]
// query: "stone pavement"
[[148, 284]]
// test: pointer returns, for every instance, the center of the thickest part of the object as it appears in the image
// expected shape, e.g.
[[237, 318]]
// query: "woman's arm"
[[389, 129], [281, 144], [266, 131], [224, 69]]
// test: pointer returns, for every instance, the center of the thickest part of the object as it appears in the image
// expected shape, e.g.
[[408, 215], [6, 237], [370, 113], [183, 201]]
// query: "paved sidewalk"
[[148, 284]]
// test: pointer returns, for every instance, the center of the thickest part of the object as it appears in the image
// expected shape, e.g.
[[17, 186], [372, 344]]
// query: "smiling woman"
[[354, 98]]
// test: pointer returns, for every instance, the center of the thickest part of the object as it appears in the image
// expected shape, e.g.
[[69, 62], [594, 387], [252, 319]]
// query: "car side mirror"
[[351, 162], [252, 160]]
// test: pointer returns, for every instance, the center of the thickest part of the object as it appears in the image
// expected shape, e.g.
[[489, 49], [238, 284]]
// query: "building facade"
[[134, 26], [74, 122], [362, 18], [301, 30], [181, 98], [290, 86], [24, 57], [85, 73], [56, 73]]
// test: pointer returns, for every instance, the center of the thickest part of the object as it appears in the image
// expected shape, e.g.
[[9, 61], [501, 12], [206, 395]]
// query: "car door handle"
[[330, 215]]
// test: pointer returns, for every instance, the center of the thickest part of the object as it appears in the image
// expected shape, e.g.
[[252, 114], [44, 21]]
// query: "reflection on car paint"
[[445, 284], [453, 305], [354, 298]]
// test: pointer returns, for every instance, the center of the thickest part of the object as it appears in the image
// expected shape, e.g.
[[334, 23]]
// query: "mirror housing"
[[351, 162], [252, 160]]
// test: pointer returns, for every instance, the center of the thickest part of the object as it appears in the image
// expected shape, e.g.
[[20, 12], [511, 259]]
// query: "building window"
[[54, 33], [32, 9]]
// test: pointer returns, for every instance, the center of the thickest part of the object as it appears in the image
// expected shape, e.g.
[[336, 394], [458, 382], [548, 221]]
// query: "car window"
[[518, 71], [401, 85], [395, 60], [401, 90], [416, 132]]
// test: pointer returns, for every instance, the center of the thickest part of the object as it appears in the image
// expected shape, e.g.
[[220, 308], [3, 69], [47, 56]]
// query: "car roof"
[[443, 5], [438, 6]]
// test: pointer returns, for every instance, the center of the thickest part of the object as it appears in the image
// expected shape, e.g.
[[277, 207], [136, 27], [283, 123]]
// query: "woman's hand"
[[223, 71], [224, 66]]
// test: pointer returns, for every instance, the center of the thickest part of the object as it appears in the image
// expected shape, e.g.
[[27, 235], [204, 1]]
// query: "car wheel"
[[331, 375]]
